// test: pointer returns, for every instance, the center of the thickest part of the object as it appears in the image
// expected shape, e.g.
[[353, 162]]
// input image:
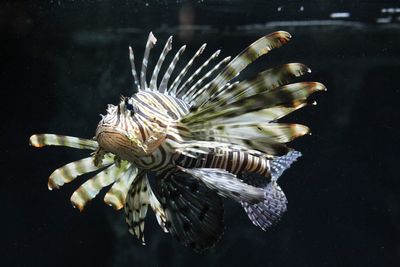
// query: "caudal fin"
[[268, 212]]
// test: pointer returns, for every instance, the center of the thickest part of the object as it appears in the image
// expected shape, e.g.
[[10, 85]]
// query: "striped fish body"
[[204, 136], [155, 123], [145, 133]]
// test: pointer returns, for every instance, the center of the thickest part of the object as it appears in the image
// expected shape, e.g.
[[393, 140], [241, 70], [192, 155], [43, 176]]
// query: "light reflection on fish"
[[203, 135]]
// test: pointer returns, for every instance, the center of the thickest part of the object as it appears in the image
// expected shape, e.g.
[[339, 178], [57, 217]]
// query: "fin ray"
[[151, 41], [154, 77], [263, 81], [268, 212], [227, 184], [164, 82], [194, 213], [269, 132], [184, 89], [40, 140], [136, 207], [280, 164], [133, 68], [283, 95], [183, 72], [241, 61], [89, 190], [71, 171], [116, 196]]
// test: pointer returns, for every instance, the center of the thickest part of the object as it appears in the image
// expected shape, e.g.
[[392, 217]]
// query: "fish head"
[[120, 131]]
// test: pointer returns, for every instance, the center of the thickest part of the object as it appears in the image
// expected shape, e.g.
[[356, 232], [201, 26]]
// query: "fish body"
[[203, 135]]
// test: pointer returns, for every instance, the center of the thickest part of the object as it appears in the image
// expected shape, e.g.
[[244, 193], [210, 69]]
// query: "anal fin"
[[268, 212]]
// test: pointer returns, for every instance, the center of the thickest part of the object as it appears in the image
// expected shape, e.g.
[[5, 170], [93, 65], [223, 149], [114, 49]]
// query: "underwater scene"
[[200, 133]]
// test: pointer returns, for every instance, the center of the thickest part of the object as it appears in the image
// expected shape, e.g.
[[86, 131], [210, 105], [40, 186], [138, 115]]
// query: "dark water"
[[64, 61]]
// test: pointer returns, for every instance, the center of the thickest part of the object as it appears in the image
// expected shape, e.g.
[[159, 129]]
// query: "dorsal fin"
[[167, 75], [133, 68], [196, 89], [241, 61], [183, 89], [179, 78], [151, 41], [154, 77]]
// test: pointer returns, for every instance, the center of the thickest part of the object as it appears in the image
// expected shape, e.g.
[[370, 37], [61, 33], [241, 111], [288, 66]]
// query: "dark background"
[[64, 61]]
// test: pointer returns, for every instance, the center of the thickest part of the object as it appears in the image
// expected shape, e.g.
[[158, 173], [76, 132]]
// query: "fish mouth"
[[113, 141]]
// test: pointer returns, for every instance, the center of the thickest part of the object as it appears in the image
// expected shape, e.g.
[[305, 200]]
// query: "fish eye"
[[128, 105]]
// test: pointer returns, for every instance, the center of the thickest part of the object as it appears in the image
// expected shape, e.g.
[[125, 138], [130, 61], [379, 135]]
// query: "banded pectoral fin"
[[40, 140], [91, 188], [139, 197], [193, 212], [264, 205], [71, 171]]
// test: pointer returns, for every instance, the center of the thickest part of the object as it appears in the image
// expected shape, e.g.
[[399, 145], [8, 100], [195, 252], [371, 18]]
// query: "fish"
[[205, 136]]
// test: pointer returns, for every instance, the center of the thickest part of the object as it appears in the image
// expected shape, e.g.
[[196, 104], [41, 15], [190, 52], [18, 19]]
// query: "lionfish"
[[204, 136]]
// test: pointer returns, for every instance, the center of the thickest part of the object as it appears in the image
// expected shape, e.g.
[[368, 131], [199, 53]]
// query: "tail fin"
[[280, 164], [264, 205], [268, 212]]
